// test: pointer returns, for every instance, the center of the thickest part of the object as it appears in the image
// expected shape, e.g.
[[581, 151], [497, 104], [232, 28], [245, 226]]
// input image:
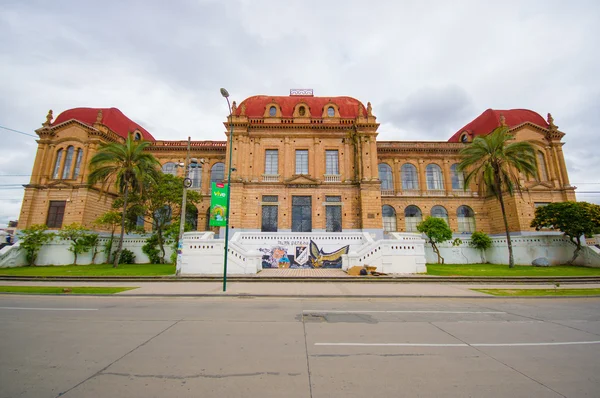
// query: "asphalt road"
[[251, 347]]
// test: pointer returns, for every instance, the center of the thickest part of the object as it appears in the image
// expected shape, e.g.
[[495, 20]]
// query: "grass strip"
[[503, 270], [541, 292], [63, 289], [92, 270]]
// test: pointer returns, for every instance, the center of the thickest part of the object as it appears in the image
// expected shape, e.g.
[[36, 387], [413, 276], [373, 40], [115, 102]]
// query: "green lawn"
[[92, 270], [541, 292], [503, 270], [63, 289]]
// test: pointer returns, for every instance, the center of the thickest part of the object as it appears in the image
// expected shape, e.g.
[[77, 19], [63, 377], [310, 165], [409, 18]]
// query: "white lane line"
[[48, 309], [457, 344], [403, 312]]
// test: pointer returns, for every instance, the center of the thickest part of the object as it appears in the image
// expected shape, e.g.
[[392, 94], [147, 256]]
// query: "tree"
[[494, 163], [437, 231], [81, 240], [128, 167], [160, 205], [109, 220], [574, 219], [481, 241], [32, 239]]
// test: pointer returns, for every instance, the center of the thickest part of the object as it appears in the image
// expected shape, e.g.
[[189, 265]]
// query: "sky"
[[427, 67]]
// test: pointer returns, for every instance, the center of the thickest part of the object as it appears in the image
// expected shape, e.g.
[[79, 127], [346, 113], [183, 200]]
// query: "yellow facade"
[[318, 149]]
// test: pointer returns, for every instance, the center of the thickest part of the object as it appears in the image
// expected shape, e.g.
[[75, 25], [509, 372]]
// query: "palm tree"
[[129, 167], [493, 162]]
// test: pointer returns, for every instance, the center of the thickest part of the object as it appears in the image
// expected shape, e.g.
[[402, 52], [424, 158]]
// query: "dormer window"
[[302, 111], [464, 137], [272, 111], [331, 111], [137, 136]]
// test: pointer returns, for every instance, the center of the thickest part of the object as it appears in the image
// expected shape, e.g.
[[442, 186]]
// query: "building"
[[302, 163]]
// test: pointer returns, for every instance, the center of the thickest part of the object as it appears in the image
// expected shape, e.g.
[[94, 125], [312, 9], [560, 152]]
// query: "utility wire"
[[17, 131]]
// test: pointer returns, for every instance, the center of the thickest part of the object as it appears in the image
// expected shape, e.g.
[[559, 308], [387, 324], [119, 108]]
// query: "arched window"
[[389, 218], [466, 219], [273, 111], [68, 161], [217, 173], [77, 163], [410, 181], [435, 180], [458, 177], [440, 212], [385, 175], [412, 218], [162, 216], [137, 136], [169, 168], [191, 216], [195, 174], [542, 171], [59, 155], [331, 111]]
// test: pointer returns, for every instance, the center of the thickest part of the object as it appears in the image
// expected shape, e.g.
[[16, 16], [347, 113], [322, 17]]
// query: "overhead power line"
[[19, 132]]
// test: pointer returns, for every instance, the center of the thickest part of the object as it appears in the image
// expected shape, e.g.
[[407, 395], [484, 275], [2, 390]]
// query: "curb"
[[399, 279], [318, 296]]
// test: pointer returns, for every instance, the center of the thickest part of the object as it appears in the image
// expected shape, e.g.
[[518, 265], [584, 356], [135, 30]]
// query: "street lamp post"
[[225, 94], [186, 185]]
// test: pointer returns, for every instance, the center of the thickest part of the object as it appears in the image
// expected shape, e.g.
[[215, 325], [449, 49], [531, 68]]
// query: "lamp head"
[[224, 93]]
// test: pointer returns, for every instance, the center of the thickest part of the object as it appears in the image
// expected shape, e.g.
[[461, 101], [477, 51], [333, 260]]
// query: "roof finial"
[[243, 110], [233, 108], [99, 116], [369, 109], [551, 122], [360, 110], [48, 121], [503, 121]]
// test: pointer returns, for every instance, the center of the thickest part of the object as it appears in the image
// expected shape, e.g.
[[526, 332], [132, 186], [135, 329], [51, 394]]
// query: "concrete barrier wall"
[[57, 253]]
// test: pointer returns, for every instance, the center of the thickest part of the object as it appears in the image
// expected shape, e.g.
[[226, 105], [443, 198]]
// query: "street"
[[291, 347]]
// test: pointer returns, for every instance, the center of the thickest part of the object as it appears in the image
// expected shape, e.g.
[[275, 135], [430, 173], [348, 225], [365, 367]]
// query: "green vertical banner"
[[218, 205]]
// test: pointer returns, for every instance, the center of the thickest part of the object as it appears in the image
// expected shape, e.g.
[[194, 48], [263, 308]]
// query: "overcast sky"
[[427, 67]]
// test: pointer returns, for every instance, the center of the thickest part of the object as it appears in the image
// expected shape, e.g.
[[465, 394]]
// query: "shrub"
[[127, 257], [32, 239], [151, 250], [480, 240]]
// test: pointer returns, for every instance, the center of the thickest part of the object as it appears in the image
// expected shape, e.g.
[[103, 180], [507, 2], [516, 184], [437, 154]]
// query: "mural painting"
[[301, 255]]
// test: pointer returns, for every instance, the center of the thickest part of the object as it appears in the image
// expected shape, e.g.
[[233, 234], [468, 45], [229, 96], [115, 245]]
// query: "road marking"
[[404, 312], [457, 344], [48, 309]]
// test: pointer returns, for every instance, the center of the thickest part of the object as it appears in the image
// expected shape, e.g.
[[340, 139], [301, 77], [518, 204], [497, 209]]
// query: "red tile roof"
[[489, 120], [112, 118], [255, 106]]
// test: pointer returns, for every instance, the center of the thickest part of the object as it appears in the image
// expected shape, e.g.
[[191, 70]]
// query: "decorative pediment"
[[539, 185], [302, 179], [60, 184]]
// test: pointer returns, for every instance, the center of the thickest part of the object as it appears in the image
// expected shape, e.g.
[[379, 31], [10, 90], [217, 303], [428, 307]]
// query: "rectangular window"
[[271, 162], [332, 162], [56, 212], [301, 214], [270, 198], [269, 218], [301, 161]]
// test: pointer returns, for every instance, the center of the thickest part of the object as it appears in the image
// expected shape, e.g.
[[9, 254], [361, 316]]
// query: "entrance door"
[[301, 214], [333, 218], [269, 219]]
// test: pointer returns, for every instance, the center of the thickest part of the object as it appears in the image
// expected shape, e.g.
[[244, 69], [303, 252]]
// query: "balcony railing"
[[463, 194], [388, 192], [332, 177], [410, 192], [434, 192], [270, 177]]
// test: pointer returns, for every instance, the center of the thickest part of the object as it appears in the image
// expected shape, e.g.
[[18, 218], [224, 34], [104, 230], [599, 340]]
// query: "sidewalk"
[[300, 289]]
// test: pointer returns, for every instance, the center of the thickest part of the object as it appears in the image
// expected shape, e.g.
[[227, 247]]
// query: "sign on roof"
[[301, 92]]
